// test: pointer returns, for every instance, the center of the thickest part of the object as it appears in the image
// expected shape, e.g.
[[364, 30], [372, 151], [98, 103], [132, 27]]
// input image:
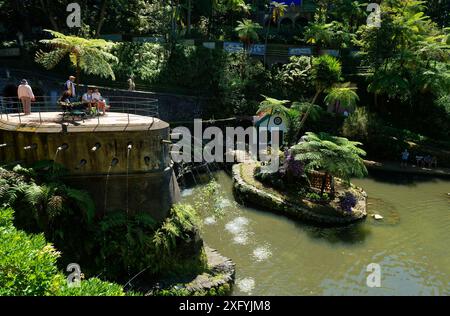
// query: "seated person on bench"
[[101, 104], [64, 100], [69, 108], [87, 100]]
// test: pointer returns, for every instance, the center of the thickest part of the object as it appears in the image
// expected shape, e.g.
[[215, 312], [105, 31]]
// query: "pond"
[[275, 255]]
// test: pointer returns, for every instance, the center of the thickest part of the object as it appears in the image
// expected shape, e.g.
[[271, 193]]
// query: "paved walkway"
[[395, 167]]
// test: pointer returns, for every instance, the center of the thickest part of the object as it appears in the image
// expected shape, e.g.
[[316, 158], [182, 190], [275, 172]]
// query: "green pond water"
[[275, 255]]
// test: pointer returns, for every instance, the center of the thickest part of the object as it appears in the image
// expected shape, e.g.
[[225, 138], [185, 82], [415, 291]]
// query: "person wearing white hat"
[[25, 94]]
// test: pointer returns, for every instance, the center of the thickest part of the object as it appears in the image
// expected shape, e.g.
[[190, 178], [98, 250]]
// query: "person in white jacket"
[[25, 94]]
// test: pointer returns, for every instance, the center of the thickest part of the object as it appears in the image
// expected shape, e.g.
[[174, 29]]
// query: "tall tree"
[[326, 71], [404, 54], [277, 11]]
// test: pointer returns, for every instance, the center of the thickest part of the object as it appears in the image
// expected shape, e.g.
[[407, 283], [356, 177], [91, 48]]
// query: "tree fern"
[[336, 156], [273, 106], [89, 55], [345, 96]]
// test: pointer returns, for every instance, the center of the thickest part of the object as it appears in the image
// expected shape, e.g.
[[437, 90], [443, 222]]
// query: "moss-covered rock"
[[218, 280]]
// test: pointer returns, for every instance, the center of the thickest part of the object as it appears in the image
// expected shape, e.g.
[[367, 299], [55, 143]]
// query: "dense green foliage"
[[150, 248], [62, 213], [28, 266], [27, 263], [119, 245]]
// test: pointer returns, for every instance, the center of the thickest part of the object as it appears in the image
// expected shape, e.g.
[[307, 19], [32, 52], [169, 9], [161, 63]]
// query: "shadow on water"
[[350, 234], [401, 178]]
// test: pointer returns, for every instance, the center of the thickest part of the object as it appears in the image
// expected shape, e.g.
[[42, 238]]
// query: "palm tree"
[[342, 97], [91, 56], [277, 11], [326, 71], [336, 156], [248, 32]]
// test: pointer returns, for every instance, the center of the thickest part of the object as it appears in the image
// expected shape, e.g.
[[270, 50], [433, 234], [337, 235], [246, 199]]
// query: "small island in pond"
[[307, 184]]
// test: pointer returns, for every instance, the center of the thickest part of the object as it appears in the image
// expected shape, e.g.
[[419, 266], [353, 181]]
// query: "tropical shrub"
[[293, 80], [317, 198], [27, 263], [119, 244], [326, 71], [143, 61], [291, 166], [290, 176], [313, 197], [65, 215], [28, 266], [248, 31], [92, 287], [240, 83], [342, 96]]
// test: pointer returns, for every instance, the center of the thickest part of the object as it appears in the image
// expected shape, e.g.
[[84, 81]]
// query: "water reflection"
[[246, 285], [210, 220], [262, 253]]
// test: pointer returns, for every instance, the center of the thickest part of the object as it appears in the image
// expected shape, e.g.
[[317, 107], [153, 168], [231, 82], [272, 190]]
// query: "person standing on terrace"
[[25, 94], [70, 86], [131, 84]]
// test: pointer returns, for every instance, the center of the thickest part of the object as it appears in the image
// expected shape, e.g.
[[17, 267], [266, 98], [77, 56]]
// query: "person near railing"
[[70, 86], [26, 96], [131, 84]]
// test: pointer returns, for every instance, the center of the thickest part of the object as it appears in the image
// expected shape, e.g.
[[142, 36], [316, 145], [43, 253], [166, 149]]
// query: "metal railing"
[[11, 108]]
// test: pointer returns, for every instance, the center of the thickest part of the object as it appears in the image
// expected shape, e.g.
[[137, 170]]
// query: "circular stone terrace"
[[53, 122], [127, 114]]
